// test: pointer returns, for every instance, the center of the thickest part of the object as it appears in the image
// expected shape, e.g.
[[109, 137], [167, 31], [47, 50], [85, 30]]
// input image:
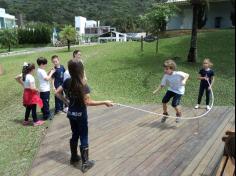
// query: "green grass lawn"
[[116, 71]]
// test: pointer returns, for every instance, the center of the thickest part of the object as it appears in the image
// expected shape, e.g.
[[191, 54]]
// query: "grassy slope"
[[118, 72]]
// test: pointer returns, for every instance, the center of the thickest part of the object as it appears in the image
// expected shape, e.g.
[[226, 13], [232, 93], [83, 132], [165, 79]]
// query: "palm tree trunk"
[[157, 45], [68, 44], [1, 70], [141, 43], [192, 55]]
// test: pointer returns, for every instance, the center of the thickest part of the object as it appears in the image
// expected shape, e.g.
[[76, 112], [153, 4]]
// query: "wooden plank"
[[194, 164], [45, 163], [133, 152], [119, 148], [152, 146], [104, 141], [127, 142], [217, 155], [205, 161], [222, 165], [185, 152], [167, 148], [182, 162]]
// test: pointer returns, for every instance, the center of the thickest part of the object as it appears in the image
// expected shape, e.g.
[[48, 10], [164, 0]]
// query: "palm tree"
[[68, 34], [199, 11]]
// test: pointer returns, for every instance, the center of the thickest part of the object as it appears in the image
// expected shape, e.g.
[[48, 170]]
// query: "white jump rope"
[[173, 117]]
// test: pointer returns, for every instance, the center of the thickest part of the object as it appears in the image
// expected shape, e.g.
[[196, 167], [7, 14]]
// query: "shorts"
[[176, 98]]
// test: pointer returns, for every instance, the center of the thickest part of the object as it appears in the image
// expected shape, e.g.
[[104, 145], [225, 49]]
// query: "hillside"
[[119, 13]]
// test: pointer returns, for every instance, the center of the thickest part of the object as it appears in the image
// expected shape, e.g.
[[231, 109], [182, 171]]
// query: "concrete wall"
[[80, 23], [220, 9], [183, 20], [6, 20], [91, 24]]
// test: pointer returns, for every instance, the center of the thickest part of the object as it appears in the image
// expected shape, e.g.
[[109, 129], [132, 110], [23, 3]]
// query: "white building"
[[91, 24], [6, 20], [88, 29], [80, 24], [218, 15], [112, 36]]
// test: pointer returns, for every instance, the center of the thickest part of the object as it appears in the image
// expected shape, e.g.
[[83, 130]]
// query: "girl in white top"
[[30, 98]]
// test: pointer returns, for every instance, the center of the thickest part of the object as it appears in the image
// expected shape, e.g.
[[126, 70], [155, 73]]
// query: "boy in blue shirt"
[[57, 81]]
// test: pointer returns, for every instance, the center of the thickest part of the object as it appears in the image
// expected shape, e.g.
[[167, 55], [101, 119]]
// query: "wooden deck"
[[128, 142]]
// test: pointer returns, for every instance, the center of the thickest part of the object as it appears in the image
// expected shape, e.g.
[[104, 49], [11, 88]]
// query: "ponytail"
[[27, 68]]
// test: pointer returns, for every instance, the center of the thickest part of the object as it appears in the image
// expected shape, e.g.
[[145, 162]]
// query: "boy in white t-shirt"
[[44, 86], [175, 80]]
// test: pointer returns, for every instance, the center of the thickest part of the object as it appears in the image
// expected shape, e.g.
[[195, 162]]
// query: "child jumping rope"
[[206, 75], [79, 98], [176, 81], [30, 98]]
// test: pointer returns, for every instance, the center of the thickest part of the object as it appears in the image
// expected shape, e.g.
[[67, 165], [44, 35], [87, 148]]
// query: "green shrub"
[[35, 34]]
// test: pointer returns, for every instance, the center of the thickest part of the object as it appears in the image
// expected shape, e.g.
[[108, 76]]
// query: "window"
[[218, 22]]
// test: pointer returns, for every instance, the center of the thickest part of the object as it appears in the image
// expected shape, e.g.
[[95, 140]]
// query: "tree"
[[202, 15], [197, 5], [156, 18], [232, 14], [68, 34], [8, 38], [109, 11], [3, 4], [1, 70]]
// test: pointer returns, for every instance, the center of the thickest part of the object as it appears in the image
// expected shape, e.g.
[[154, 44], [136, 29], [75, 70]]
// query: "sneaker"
[[178, 117], [164, 118], [39, 123], [208, 107], [197, 106], [65, 110], [25, 123]]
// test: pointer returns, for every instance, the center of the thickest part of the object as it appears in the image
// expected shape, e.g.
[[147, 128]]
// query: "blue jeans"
[[201, 92], [79, 128], [58, 105], [28, 109], [45, 96]]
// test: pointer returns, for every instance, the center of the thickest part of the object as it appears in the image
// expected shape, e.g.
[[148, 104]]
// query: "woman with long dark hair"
[[78, 100]]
